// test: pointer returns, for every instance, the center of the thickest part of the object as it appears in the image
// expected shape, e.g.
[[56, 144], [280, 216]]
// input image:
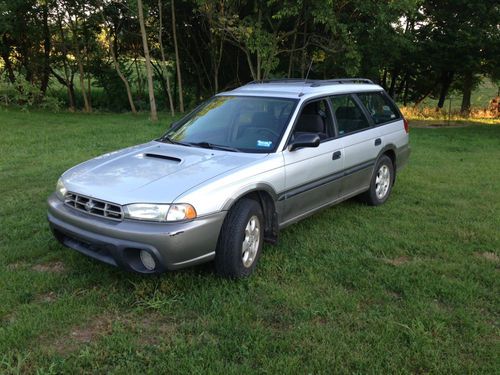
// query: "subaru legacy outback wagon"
[[231, 174]]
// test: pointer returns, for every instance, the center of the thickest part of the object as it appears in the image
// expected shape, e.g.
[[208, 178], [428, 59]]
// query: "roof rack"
[[315, 82], [340, 81], [291, 80]]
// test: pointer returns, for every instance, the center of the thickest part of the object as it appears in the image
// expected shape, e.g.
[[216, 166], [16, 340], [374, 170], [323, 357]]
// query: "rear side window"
[[348, 114], [379, 106]]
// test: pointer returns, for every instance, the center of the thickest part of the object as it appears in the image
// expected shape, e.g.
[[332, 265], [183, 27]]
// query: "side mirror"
[[305, 140]]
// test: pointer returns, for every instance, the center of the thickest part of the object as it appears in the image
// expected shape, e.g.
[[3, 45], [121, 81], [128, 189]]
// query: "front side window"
[[235, 123], [348, 114], [315, 118], [379, 106]]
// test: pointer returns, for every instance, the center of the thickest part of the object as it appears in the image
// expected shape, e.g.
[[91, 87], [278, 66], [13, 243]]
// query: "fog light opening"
[[147, 260]]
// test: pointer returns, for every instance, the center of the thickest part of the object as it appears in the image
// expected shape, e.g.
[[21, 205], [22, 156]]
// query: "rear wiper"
[[214, 146], [170, 140]]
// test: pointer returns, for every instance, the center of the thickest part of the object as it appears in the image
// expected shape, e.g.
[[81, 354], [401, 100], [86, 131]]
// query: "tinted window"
[[249, 124], [379, 106], [349, 116]]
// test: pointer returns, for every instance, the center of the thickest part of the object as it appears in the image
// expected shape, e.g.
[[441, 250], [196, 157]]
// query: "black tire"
[[229, 261], [371, 197]]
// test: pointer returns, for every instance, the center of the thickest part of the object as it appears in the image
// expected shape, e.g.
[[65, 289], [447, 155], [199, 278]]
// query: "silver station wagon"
[[231, 174]]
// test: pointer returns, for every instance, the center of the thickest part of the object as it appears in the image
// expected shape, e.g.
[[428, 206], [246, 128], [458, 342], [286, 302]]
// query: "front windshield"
[[235, 123]]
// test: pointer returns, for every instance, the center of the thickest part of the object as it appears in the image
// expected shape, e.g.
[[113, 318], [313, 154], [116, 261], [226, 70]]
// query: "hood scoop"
[[161, 156]]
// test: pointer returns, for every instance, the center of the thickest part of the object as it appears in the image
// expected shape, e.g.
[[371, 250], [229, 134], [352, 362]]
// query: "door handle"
[[378, 142], [336, 155]]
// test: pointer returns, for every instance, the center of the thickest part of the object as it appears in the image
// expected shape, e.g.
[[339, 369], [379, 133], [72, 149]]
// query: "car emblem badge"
[[89, 206]]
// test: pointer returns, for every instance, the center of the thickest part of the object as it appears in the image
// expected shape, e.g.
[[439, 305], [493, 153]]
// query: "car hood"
[[152, 172]]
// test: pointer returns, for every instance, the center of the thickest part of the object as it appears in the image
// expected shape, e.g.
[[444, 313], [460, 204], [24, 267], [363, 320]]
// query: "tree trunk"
[[250, 65], [177, 59], [384, 80], [7, 62], [394, 77], [89, 94], [466, 91], [217, 66], [46, 52], [82, 82], [303, 63], [69, 86], [81, 77], [66, 81], [446, 80], [120, 74], [140, 85], [406, 89], [163, 60], [149, 71]]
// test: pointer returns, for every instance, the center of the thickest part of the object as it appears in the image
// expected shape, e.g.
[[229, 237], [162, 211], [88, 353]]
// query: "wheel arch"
[[265, 195]]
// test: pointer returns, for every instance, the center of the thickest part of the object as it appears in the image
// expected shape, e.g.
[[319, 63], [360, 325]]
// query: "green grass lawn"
[[408, 287]]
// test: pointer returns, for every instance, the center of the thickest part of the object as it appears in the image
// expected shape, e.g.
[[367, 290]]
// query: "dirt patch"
[[16, 266], [492, 257], [53, 267], [46, 297], [320, 320], [394, 295], [399, 261], [81, 335], [153, 329], [8, 319], [149, 330]]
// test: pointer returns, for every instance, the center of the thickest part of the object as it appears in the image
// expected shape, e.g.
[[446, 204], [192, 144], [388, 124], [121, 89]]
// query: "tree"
[[177, 59], [149, 72], [163, 60], [112, 44]]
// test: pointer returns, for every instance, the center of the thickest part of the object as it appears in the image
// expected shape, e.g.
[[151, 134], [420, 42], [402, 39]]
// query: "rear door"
[[361, 142]]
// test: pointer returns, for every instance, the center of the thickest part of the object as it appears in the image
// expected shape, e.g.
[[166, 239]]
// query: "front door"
[[312, 175]]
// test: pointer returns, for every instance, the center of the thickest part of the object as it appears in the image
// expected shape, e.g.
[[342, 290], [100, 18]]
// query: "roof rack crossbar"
[[340, 81], [315, 82], [272, 80]]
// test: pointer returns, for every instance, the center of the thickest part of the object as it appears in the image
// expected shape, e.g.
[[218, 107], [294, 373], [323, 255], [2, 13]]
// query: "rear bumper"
[[172, 245]]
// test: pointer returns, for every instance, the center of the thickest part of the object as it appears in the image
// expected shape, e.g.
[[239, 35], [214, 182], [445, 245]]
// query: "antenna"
[[307, 75]]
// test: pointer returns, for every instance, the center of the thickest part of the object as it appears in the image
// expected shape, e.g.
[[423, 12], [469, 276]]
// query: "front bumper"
[[172, 245]]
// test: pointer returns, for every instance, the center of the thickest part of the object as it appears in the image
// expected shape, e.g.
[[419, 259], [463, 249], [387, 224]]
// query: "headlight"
[[143, 211], [159, 212], [181, 212], [60, 190]]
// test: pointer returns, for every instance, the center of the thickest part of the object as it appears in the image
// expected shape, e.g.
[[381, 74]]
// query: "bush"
[[26, 96]]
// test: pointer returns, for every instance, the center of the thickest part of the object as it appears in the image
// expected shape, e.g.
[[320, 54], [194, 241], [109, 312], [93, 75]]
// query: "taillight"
[[407, 126]]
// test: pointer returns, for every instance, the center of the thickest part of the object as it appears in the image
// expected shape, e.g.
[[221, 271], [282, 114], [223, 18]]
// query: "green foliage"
[[416, 49], [26, 96]]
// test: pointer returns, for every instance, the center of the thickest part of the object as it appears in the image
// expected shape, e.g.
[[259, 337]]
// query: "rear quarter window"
[[379, 106]]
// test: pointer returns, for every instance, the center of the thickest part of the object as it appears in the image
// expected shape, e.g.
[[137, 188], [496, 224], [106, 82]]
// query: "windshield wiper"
[[214, 146], [170, 140]]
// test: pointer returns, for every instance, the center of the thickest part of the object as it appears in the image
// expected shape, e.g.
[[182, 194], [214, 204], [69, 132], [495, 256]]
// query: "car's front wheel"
[[240, 241], [381, 183]]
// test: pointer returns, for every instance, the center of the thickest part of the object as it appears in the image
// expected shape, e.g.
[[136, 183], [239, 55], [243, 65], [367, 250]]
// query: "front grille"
[[94, 206]]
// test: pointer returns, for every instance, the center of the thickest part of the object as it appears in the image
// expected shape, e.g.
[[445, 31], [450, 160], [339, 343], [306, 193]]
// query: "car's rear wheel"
[[240, 241], [381, 183]]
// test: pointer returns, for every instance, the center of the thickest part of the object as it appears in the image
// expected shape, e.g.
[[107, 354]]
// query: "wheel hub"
[[382, 181], [251, 241]]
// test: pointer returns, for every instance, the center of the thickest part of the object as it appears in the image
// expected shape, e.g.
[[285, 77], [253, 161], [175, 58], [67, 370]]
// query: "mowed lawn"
[[408, 287]]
